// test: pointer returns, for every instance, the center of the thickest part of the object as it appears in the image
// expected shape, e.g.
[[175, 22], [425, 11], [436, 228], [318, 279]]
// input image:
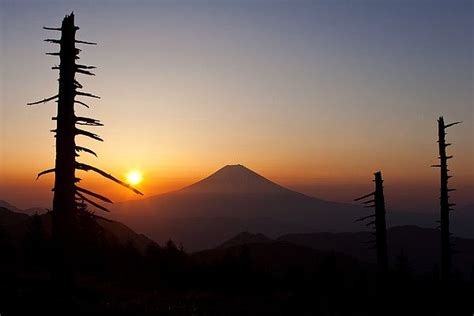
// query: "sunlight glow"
[[134, 177]]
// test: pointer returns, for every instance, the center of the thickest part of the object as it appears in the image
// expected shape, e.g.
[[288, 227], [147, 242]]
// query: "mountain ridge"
[[420, 246], [14, 222], [231, 200]]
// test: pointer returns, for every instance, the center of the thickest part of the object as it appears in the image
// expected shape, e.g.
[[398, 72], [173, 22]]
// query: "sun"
[[134, 177]]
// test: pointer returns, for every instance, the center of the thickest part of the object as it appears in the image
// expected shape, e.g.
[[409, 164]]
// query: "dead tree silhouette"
[[445, 206], [69, 198], [378, 222]]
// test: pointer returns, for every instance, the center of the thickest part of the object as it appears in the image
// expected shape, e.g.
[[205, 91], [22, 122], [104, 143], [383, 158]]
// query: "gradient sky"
[[315, 95]]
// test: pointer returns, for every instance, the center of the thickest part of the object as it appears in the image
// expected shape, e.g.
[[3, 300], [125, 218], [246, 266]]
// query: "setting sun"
[[134, 177]]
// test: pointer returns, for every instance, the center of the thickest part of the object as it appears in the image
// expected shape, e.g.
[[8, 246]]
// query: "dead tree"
[[69, 198], [376, 200], [445, 205]]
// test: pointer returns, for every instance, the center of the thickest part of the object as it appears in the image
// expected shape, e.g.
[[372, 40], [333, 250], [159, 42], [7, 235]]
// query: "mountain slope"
[[9, 217], [236, 199], [229, 201], [419, 245], [15, 224], [4, 204], [236, 179], [246, 238], [278, 257]]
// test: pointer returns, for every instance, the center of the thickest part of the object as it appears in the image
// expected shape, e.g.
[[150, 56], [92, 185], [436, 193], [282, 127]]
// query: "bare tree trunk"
[[380, 227], [378, 222], [64, 206], [445, 209], [445, 206]]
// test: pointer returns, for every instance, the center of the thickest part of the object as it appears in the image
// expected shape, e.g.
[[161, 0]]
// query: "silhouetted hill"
[[419, 245], [245, 238], [278, 258], [9, 206], [9, 217], [15, 225], [123, 234], [28, 211]]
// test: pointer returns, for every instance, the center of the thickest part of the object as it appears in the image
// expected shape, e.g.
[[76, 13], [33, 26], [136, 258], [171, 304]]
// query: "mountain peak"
[[232, 166], [235, 179], [236, 170]]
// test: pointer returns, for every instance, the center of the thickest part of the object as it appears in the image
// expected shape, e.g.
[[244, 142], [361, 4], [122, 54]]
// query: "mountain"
[[236, 199], [235, 179], [10, 207], [277, 258], [28, 211], [246, 238], [9, 217], [15, 224], [229, 201], [420, 246]]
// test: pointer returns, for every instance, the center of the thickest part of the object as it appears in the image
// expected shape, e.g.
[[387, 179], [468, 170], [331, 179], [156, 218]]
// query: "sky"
[[315, 95]]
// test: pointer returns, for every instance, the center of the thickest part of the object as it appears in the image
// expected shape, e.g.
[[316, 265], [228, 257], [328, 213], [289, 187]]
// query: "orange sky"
[[285, 90]]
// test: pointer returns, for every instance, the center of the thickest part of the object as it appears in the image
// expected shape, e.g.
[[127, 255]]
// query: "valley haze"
[[236, 199]]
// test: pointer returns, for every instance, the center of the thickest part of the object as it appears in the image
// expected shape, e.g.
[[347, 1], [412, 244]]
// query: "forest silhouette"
[[71, 261]]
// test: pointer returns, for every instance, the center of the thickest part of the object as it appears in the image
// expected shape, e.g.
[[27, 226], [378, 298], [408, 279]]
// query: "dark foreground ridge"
[[120, 272]]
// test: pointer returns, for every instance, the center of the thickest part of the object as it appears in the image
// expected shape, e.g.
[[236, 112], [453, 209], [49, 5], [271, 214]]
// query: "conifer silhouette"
[[378, 222], [445, 206], [69, 198]]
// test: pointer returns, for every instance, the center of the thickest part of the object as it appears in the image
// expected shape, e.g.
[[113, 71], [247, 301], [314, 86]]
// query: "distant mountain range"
[[236, 199], [417, 247], [28, 211], [277, 258]]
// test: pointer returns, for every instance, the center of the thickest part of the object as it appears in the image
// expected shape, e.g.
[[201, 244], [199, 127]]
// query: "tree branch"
[[365, 196], [84, 42], [85, 94], [88, 134], [85, 67], [52, 28], [88, 121], [55, 41], [45, 172], [87, 150], [44, 100], [86, 167], [92, 202], [85, 72], [364, 218], [96, 195], [81, 103]]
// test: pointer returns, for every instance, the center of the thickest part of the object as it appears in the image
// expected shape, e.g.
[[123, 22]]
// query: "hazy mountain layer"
[[236, 199]]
